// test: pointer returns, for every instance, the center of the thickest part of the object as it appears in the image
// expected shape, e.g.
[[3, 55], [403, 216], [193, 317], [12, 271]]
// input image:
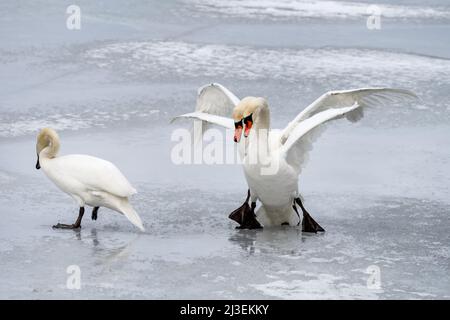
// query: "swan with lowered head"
[[273, 159], [90, 181]]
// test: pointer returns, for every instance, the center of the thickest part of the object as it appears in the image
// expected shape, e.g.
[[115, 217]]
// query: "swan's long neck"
[[52, 148], [263, 119], [260, 136]]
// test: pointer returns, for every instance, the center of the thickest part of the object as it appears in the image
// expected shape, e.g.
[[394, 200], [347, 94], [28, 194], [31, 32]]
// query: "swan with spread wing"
[[273, 159]]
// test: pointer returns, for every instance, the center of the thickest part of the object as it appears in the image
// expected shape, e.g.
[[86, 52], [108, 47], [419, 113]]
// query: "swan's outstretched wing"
[[296, 148], [210, 118], [365, 97], [93, 174], [215, 105], [215, 99]]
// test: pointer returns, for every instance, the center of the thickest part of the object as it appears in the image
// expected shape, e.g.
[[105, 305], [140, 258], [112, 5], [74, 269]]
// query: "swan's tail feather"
[[131, 214]]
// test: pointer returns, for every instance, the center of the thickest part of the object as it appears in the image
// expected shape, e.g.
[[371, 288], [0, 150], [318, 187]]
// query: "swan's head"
[[245, 114], [47, 137]]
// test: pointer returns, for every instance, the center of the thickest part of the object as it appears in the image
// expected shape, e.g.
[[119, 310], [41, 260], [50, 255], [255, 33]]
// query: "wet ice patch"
[[328, 68], [316, 286], [31, 123], [28, 126], [289, 9], [4, 177], [194, 249], [159, 59]]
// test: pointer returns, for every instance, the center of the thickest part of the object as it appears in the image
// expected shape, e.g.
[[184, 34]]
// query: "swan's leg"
[[245, 215], [298, 215], [76, 225], [94, 213], [308, 223], [80, 216]]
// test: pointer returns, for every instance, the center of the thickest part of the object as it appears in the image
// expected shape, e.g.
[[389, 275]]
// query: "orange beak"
[[248, 126], [237, 134], [237, 131]]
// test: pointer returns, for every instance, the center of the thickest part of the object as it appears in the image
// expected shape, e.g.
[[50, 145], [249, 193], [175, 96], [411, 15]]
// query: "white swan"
[[274, 159], [89, 180]]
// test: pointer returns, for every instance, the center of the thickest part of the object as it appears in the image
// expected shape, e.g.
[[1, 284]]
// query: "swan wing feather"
[[216, 99], [301, 139], [365, 97], [209, 118], [215, 104], [94, 174]]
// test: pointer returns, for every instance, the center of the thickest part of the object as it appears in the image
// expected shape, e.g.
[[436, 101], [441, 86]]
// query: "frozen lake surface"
[[379, 187]]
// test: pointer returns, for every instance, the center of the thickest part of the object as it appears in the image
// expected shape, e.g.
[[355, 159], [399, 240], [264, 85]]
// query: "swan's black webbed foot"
[[239, 214], [245, 215], [94, 213], [285, 224], [250, 221], [308, 223], [76, 225], [65, 226]]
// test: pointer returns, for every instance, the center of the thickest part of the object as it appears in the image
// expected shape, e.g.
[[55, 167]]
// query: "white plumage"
[[288, 148], [89, 180]]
